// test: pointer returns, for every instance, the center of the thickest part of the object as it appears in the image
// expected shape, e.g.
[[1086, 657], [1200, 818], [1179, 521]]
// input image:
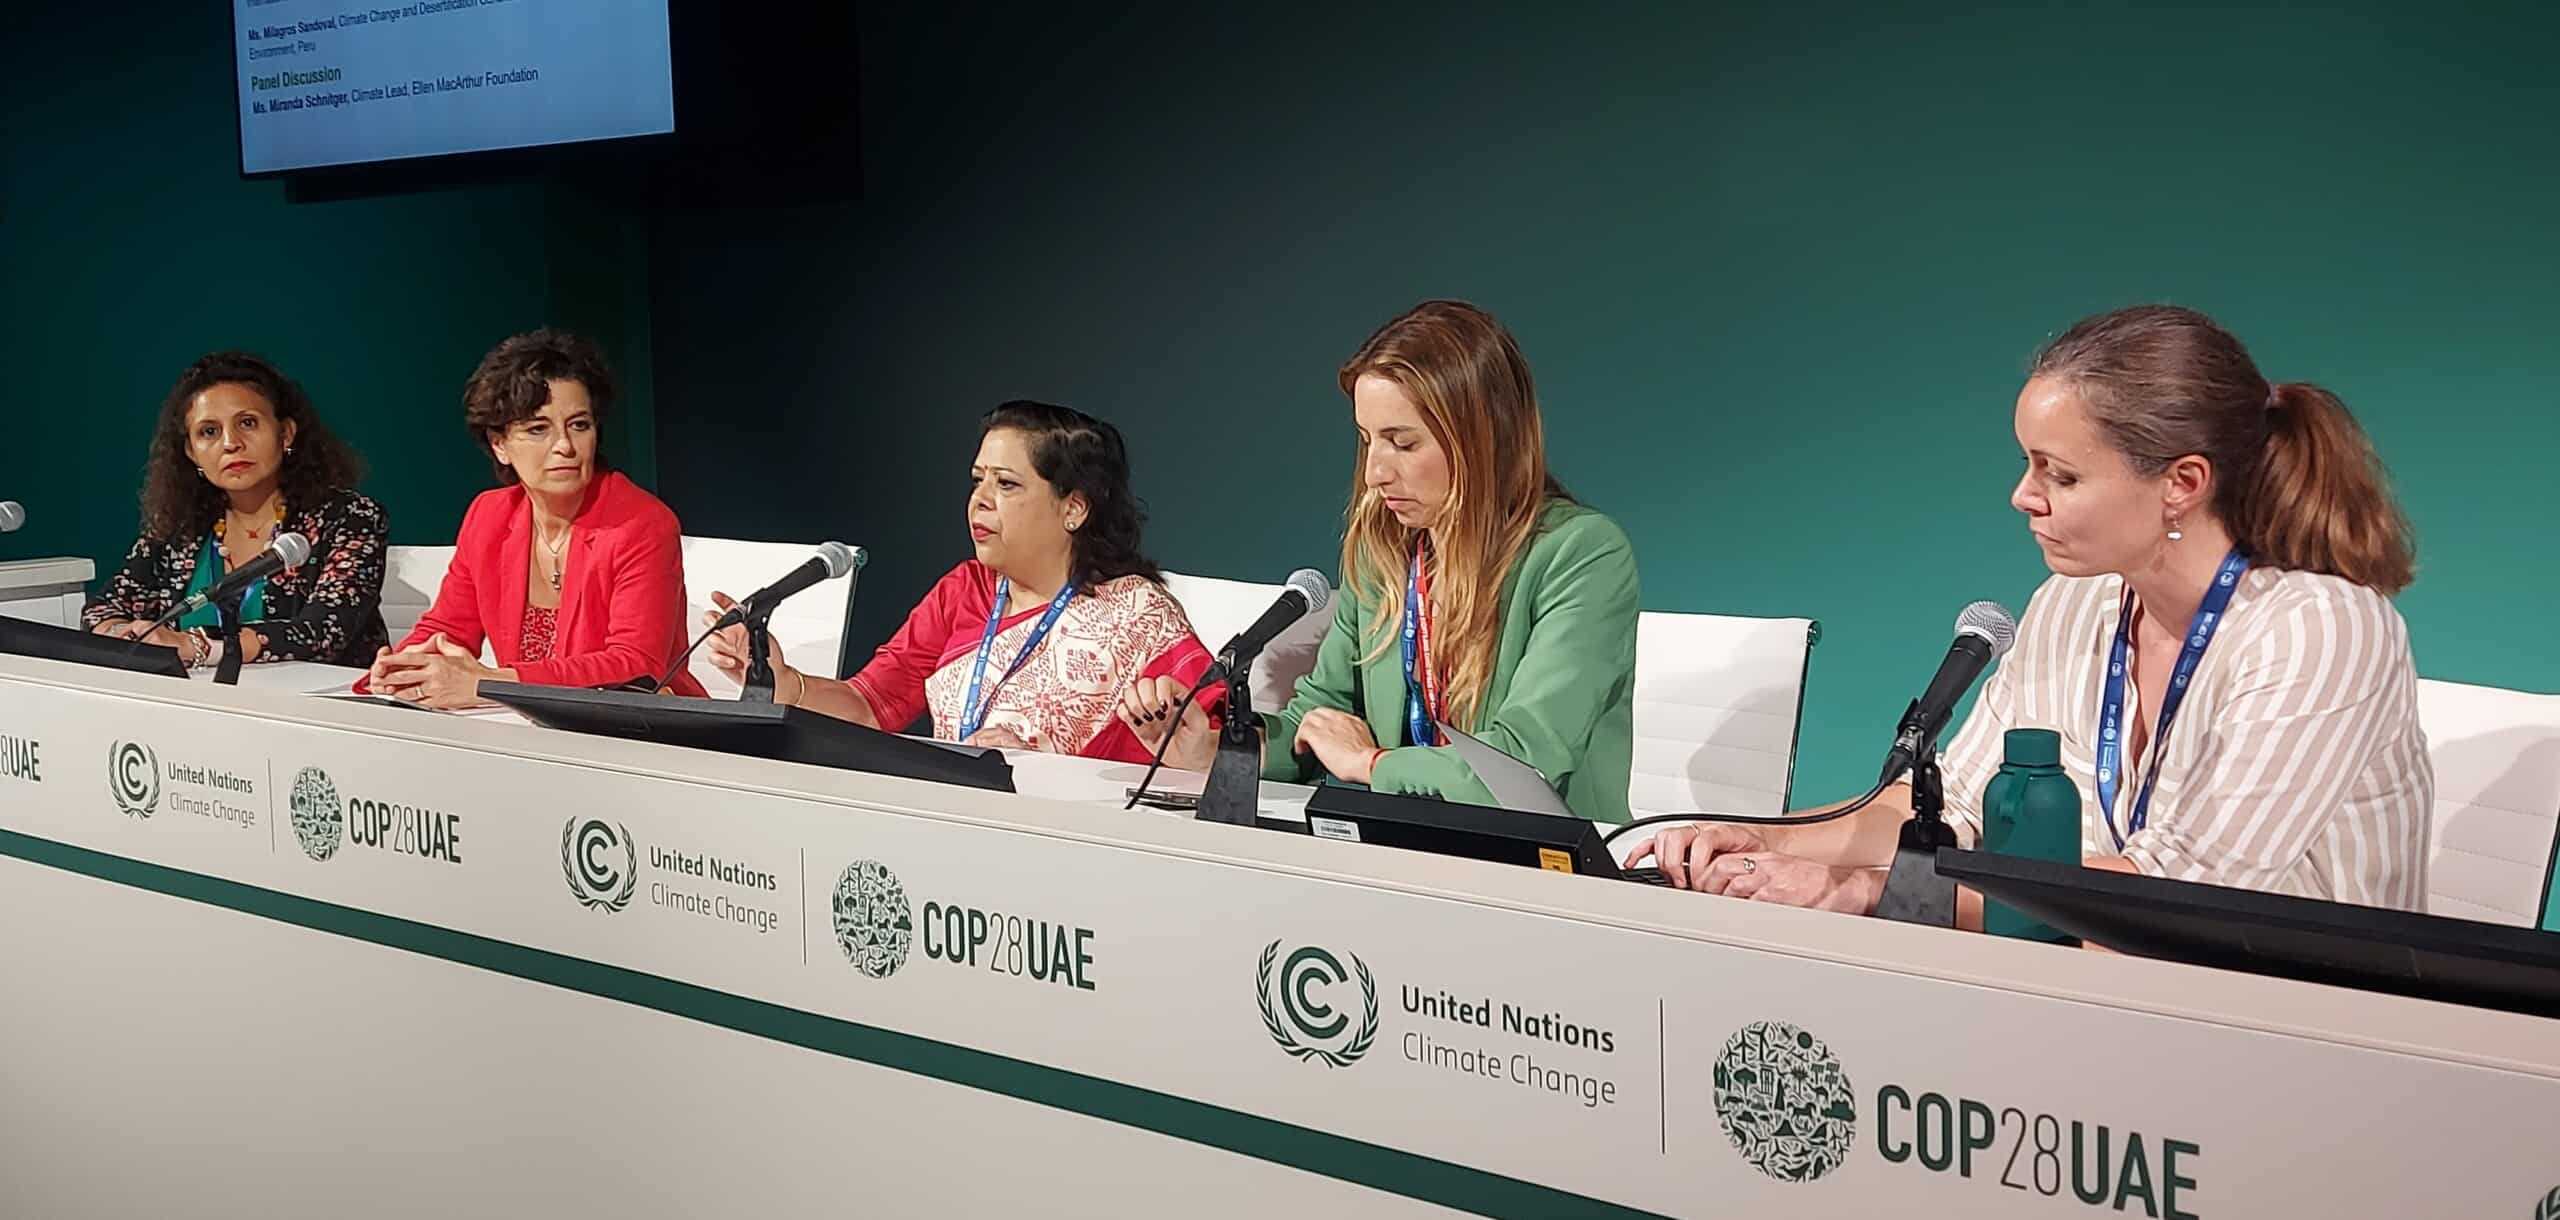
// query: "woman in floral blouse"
[[239, 457]]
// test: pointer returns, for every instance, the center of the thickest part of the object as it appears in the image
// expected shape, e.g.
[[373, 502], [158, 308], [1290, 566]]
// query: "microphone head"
[[840, 559], [1312, 585], [292, 549], [12, 515], [1991, 623]]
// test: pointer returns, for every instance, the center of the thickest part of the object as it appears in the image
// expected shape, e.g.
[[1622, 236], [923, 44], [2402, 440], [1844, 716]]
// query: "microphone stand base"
[[1913, 891], [758, 683], [1233, 793], [226, 618]]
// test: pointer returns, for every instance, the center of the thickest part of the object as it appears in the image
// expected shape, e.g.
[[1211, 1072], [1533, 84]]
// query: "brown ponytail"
[[2296, 481], [2320, 503]]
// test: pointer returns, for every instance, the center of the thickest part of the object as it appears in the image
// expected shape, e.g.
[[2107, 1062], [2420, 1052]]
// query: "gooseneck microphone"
[[1984, 632], [287, 551]]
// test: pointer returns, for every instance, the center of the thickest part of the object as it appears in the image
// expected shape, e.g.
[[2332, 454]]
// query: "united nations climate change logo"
[[317, 823], [1304, 1024], [874, 925], [133, 778], [1786, 1104], [600, 861]]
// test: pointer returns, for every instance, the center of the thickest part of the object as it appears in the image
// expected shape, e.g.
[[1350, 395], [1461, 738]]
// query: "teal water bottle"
[[2031, 809]]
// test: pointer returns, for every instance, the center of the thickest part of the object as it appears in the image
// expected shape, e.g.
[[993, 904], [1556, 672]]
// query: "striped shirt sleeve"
[[2279, 752]]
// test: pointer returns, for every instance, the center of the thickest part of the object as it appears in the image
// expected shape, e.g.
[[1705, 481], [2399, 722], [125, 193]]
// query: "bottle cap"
[[2032, 748]]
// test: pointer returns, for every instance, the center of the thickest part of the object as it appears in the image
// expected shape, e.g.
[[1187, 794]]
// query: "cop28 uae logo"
[[873, 922], [133, 778], [317, 821], [1785, 1102], [600, 862], [1305, 1023]]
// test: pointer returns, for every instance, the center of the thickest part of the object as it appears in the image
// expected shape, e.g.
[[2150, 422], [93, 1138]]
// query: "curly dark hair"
[[179, 502], [514, 381], [1077, 453]]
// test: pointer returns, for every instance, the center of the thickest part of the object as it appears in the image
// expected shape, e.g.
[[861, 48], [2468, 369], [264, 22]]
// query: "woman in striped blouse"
[[2221, 533]]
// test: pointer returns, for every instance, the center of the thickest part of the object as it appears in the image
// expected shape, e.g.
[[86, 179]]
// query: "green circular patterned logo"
[[1785, 1102], [600, 861], [133, 778], [1299, 1017], [318, 823], [874, 925]]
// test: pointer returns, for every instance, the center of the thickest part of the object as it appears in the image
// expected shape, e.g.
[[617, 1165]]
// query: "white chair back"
[[809, 627], [410, 577], [1718, 701], [2497, 764], [1218, 609]]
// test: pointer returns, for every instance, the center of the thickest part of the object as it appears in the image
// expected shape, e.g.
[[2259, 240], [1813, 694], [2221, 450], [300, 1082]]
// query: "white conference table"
[[1055, 776], [275, 955]]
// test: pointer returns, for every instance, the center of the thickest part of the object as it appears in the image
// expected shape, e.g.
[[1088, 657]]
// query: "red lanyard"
[[1426, 705]]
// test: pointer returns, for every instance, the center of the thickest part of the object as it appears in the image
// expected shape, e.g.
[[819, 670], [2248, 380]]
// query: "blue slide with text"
[[324, 82]]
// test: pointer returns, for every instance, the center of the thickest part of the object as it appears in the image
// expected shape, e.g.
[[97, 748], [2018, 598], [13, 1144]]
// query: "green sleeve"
[[1334, 683], [1576, 660]]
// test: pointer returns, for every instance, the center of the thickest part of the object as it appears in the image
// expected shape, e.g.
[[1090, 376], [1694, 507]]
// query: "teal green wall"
[[130, 245], [1777, 267]]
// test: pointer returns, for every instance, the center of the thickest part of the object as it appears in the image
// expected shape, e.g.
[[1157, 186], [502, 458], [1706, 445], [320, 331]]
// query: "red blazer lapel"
[[576, 588], [515, 551]]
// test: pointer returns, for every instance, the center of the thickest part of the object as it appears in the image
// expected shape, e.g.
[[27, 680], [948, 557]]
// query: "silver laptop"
[[1514, 784]]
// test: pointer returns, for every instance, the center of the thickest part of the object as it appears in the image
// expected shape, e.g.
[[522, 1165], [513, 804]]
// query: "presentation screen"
[[343, 82]]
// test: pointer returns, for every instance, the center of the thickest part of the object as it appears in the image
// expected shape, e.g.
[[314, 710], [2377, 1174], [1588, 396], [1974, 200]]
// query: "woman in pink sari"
[[1030, 643]]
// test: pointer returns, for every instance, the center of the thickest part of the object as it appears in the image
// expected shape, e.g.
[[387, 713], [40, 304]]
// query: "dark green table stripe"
[[1333, 1156]]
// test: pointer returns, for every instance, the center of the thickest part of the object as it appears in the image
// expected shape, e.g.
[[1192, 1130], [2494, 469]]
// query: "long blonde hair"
[[1464, 372]]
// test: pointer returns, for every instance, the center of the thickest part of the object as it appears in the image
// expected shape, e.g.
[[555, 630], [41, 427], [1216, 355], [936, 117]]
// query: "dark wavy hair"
[[179, 502], [514, 381], [1077, 453]]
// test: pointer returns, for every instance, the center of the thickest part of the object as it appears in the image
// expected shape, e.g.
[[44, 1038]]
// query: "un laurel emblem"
[[1305, 1025], [1785, 1102], [873, 922], [600, 862], [133, 778]]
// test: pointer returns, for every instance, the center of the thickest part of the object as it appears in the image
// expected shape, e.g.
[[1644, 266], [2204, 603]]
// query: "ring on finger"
[[1750, 865]]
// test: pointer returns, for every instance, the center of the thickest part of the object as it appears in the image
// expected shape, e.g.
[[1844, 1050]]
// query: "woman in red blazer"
[[573, 577]]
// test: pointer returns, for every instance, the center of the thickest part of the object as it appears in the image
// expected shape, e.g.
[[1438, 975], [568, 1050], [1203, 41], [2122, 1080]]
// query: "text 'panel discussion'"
[[616, 608]]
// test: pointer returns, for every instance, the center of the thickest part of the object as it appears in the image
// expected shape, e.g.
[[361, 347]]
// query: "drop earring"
[[2176, 534]]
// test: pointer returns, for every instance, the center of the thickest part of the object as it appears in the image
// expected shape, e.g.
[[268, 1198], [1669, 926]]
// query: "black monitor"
[[21, 638], [1478, 832], [2429, 956], [754, 728]]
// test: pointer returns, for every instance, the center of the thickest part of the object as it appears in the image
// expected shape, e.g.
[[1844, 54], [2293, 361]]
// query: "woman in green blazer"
[[1523, 631]]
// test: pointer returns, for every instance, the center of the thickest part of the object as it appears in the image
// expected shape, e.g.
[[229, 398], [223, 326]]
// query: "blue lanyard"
[[2208, 619], [1419, 727], [973, 714]]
